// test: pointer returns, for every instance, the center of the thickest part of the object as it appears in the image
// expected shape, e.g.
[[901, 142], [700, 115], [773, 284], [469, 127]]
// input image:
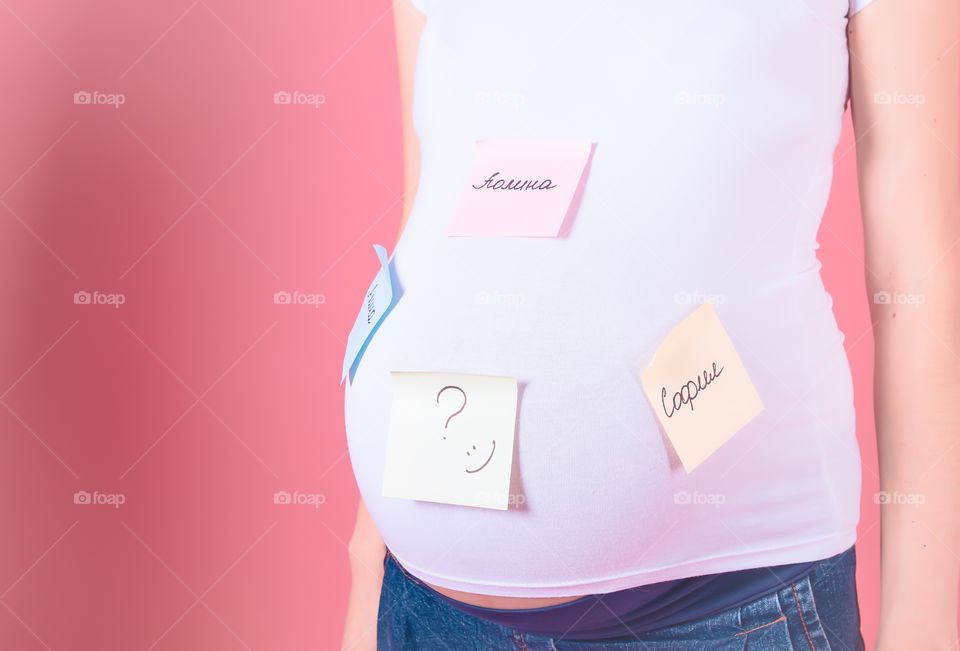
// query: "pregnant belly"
[[502, 603]]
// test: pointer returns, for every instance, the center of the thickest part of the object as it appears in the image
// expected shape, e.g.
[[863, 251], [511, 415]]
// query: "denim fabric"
[[816, 612]]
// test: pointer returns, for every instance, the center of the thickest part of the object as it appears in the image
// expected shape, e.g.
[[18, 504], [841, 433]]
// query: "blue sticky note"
[[376, 304]]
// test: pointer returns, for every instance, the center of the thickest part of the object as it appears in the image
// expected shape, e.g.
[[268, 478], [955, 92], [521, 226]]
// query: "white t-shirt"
[[715, 125], [424, 5]]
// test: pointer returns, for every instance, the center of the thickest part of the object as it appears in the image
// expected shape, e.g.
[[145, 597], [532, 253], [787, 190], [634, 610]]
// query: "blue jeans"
[[818, 612]]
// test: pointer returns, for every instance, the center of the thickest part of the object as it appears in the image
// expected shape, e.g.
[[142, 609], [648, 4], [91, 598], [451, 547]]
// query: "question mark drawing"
[[474, 447], [450, 386]]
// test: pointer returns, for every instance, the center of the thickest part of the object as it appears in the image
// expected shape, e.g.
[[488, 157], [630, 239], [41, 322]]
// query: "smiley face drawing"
[[492, 450], [493, 443]]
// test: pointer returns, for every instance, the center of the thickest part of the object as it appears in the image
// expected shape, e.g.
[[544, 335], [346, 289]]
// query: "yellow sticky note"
[[451, 438], [699, 388]]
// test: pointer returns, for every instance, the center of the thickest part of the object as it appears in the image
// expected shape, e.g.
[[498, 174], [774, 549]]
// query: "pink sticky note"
[[521, 188]]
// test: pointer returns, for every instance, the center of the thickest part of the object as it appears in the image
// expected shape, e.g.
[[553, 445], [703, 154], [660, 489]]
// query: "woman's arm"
[[408, 24], [366, 546], [904, 84], [366, 550]]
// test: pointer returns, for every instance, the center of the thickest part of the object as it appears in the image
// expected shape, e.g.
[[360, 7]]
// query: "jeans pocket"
[[829, 594], [803, 618]]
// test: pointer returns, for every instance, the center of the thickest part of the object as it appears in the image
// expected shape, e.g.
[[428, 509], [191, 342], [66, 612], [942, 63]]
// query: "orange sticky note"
[[699, 388]]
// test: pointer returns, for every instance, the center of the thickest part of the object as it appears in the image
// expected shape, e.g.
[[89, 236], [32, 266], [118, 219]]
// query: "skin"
[[908, 172], [366, 547]]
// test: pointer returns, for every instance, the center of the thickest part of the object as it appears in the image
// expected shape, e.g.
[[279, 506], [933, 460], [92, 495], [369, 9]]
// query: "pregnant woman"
[[713, 126]]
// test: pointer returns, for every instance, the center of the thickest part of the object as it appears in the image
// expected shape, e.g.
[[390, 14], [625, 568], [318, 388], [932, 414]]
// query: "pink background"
[[197, 399]]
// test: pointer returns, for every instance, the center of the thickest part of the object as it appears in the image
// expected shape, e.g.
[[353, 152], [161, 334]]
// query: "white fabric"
[[423, 6], [715, 125], [855, 5]]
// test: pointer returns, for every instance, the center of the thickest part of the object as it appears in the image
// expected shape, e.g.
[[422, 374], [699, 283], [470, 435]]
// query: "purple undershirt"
[[625, 613]]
